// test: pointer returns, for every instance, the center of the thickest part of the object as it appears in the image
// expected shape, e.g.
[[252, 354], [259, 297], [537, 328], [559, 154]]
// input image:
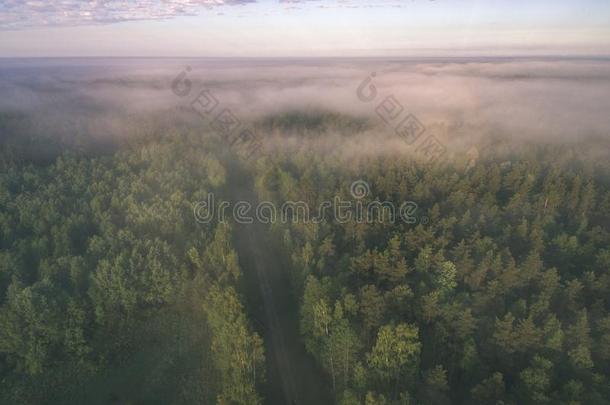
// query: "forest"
[[112, 292], [304, 202], [499, 297]]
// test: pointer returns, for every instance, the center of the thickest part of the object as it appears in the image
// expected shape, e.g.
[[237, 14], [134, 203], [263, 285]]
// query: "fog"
[[459, 101]]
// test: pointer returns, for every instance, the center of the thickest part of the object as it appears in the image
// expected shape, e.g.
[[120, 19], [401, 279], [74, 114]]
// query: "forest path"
[[292, 375]]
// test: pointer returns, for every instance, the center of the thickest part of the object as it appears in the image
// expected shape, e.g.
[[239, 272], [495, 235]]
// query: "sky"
[[303, 28]]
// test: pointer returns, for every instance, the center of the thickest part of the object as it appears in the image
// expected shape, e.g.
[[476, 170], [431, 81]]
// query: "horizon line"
[[466, 56]]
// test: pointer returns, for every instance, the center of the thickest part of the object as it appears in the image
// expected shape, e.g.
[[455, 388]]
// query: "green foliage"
[[395, 354], [505, 282], [238, 354], [109, 289]]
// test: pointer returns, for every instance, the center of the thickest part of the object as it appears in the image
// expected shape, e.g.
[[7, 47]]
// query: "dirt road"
[[292, 375]]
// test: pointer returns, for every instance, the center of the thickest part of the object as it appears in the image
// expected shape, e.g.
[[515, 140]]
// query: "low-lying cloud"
[[550, 100]]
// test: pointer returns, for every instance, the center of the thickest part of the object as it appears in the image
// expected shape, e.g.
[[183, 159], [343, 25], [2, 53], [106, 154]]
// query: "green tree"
[[395, 354]]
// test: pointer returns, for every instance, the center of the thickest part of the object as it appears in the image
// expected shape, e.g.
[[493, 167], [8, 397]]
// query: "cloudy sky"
[[303, 28]]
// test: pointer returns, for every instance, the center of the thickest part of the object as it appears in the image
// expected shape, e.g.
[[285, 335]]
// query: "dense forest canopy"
[[108, 284], [500, 296], [111, 290]]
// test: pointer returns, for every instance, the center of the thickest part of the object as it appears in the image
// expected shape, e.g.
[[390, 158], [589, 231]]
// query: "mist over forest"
[[459, 100], [113, 290]]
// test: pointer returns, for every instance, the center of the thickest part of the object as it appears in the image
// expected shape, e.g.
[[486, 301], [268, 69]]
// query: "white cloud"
[[15, 14]]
